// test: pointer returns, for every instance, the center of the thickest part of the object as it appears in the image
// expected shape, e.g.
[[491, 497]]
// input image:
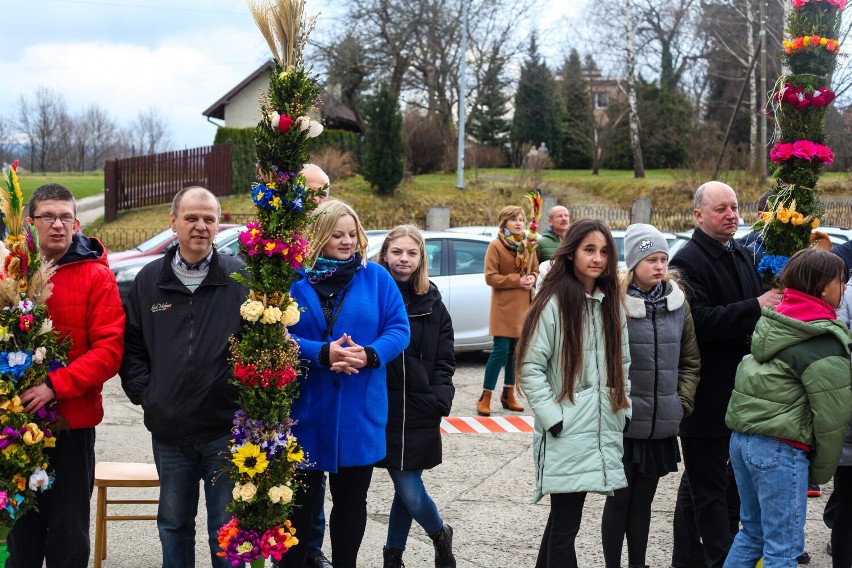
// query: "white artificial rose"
[[248, 491], [291, 314], [236, 492], [271, 314], [38, 355], [251, 310], [312, 127]]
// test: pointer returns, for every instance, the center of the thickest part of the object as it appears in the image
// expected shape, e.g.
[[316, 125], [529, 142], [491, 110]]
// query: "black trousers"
[[347, 521], [58, 532], [838, 508], [706, 514], [628, 511], [563, 524]]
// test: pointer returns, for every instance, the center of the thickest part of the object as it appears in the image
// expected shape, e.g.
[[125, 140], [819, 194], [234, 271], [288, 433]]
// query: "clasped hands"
[[346, 356]]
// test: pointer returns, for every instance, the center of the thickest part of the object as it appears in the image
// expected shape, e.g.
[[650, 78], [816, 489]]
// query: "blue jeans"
[[410, 501], [180, 469], [772, 477]]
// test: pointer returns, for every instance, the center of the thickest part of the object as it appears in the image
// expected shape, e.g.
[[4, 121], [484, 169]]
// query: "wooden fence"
[[154, 179]]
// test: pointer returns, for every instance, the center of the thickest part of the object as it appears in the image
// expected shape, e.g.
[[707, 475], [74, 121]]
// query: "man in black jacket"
[[726, 298], [180, 312]]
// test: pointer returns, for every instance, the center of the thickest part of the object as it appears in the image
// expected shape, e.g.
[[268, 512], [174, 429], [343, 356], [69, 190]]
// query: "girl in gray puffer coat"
[[664, 373]]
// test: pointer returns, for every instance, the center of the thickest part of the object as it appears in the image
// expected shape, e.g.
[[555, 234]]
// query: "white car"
[[457, 267]]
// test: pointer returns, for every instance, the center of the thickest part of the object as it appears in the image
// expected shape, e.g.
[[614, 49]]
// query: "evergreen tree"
[[577, 119], [384, 152], [488, 122], [537, 118], [666, 130]]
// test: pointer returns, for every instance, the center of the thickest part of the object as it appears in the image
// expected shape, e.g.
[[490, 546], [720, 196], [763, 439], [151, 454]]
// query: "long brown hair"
[[562, 282]]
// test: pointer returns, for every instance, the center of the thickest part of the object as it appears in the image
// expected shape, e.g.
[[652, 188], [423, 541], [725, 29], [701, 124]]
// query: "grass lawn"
[[81, 184]]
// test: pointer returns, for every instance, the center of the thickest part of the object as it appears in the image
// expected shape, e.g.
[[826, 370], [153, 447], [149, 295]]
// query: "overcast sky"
[[178, 56]]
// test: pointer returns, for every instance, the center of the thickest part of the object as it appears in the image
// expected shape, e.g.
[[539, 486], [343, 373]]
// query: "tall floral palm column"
[[800, 102], [264, 452]]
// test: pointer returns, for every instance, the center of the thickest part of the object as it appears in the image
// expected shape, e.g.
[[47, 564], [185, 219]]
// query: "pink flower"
[[4, 499], [780, 152], [824, 154], [25, 322], [804, 149], [799, 3]]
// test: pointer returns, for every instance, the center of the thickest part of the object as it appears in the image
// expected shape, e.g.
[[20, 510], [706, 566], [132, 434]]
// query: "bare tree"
[[6, 140], [153, 131], [630, 81], [40, 118], [102, 135], [415, 44]]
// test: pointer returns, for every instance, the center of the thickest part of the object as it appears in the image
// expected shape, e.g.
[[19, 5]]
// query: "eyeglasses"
[[51, 219]]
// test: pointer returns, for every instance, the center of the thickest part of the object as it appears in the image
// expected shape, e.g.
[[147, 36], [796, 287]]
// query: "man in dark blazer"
[[726, 297]]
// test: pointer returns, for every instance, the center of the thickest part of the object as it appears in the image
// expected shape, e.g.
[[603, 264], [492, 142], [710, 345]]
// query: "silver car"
[[457, 267]]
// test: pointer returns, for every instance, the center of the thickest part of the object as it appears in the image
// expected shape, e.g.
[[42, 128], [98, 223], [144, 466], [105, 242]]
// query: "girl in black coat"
[[420, 392]]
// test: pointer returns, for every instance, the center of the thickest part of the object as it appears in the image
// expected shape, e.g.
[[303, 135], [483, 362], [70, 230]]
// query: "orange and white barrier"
[[486, 424]]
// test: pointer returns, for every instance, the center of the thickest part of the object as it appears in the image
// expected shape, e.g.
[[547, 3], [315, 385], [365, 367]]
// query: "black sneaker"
[[813, 491], [805, 558]]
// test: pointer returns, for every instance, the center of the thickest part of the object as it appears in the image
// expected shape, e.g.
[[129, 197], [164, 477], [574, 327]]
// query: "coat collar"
[[635, 307]]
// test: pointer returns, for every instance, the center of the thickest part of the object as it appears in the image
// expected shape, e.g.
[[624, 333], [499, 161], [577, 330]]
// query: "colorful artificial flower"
[[772, 263], [280, 122], [280, 494], [810, 42], [798, 97], [251, 310], [278, 540], [249, 459], [311, 127], [243, 547], [39, 480], [802, 149], [839, 4]]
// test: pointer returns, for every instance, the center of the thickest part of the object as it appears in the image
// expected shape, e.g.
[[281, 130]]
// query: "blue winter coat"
[[342, 418]]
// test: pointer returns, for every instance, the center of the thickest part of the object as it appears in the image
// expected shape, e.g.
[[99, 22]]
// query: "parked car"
[[126, 269], [155, 245], [487, 230]]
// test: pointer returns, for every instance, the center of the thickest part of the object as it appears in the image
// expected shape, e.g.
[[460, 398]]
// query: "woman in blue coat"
[[354, 323]]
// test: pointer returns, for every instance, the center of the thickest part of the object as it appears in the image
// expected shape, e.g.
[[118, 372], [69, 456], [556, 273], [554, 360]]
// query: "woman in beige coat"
[[511, 282]]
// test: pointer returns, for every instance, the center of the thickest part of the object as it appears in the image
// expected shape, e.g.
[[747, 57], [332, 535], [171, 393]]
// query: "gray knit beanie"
[[641, 240]]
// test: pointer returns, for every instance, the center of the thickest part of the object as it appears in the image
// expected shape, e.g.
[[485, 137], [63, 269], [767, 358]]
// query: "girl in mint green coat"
[[573, 358]]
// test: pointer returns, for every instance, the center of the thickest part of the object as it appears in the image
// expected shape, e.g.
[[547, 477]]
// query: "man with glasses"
[[85, 305]]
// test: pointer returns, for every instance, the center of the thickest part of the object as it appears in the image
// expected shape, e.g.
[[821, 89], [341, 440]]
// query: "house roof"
[[335, 113], [217, 109]]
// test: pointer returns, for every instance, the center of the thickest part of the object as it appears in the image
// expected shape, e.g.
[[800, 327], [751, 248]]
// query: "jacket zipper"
[[405, 392], [191, 328], [656, 368], [600, 401]]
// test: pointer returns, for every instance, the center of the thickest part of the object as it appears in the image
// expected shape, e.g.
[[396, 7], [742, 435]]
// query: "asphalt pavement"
[[482, 489]]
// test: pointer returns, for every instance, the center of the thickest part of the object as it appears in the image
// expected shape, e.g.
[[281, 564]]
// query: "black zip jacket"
[[420, 386], [176, 350]]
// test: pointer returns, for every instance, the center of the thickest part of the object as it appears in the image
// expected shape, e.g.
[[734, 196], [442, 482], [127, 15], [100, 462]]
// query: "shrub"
[[335, 163], [483, 156], [424, 146]]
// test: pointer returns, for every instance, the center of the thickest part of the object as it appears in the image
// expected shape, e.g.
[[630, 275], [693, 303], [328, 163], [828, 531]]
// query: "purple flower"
[[243, 547]]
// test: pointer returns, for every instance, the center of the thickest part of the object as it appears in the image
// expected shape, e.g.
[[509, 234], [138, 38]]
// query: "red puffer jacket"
[[85, 302]]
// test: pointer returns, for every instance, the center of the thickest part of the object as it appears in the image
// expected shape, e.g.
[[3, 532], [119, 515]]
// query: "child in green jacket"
[[789, 410]]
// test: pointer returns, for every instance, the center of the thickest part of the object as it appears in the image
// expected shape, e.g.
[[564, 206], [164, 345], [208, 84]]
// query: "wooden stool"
[[120, 474]]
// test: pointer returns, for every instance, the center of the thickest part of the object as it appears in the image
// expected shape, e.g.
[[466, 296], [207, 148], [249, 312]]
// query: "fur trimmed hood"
[[634, 306]]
